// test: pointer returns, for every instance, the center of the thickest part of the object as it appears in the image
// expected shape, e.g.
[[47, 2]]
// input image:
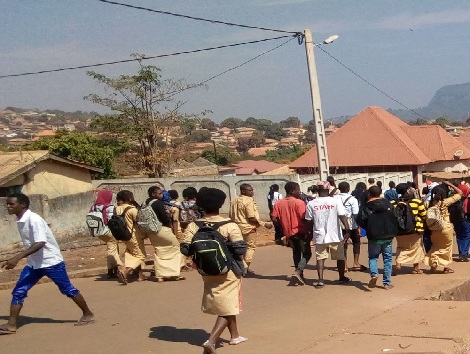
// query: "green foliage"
[[83, 147], [222, 155], [246, 143], [419, 121], [285, 155], [275, 132], [145, 113], [209, 124], [199, 136], [291, 122], [232, 123], [442, 122], [309, 136]]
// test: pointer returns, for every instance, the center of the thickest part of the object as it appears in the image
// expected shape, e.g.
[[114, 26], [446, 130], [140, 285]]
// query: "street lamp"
[[322, 151]]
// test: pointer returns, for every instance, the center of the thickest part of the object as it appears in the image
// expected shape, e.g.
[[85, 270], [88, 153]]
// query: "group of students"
[[424, 227], [326, 218]]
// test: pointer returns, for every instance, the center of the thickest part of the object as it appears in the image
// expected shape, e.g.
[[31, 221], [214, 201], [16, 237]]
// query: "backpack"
[[117, 226], [434, 219], [95, 223], [333, 192], [405, 218], [189, 212], [210, 250], [456, 212], [147, 220]]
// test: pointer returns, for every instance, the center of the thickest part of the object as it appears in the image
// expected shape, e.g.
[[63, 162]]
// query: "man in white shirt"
[[43, 259], [323, 216], [351, 205]]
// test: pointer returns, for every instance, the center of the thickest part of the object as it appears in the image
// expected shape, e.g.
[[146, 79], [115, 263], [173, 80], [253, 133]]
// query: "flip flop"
[[319, 285], [84, 322], [6, 331], [420, 271], [361, 268], [345, 280], [121, 277], [448, 271]]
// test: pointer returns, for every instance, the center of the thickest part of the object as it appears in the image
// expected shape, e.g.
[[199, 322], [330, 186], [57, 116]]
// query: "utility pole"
[[322, 151]]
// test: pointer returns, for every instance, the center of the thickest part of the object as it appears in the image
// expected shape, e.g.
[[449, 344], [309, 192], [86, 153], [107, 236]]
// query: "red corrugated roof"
[[260, 166], [375, 137]]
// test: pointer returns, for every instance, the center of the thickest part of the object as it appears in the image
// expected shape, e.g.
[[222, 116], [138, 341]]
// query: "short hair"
[[152, 189], [125, 196], [313, 189], [244, 186], [274, 188], [371, 180], [210, 199], [189, 193], [361, 185], [391, 184], [375, 191], [379, 184], [290, 187], [21, 198], [173, 194], [402, 188], [331, 180], [343, 187], [322, 190]]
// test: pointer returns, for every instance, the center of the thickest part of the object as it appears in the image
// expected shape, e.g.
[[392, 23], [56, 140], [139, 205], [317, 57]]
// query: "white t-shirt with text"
[[324, 213], [351, 205]]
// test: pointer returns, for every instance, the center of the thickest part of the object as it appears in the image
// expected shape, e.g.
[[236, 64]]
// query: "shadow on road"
[[183, 335], [25, 320]]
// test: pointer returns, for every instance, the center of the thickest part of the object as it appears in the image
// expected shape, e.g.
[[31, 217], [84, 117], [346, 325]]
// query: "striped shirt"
[[419, 211]]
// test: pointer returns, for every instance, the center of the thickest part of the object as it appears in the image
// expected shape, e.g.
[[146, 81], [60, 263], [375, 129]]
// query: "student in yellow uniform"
[[244, 212]]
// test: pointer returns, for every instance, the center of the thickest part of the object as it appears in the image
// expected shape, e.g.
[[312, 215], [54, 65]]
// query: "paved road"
[[277, 318]]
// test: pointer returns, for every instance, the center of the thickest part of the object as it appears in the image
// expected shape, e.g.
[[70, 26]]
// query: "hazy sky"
[[408, 49]]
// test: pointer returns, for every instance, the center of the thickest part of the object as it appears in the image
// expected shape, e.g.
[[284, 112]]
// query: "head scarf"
[[103, 199]]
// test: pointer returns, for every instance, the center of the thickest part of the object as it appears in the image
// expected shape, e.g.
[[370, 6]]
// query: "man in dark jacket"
[[377, 216]]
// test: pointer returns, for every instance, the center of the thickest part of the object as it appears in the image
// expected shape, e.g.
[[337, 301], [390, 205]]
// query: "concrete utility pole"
[[322, 151]]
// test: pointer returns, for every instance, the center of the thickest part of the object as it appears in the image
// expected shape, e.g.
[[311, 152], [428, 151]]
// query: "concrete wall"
[[66, 214]]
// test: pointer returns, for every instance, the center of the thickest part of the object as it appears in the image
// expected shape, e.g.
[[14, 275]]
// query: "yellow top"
[[241, 209], [230, 230]]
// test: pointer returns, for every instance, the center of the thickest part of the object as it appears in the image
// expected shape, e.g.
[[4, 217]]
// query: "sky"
[[408, 49]]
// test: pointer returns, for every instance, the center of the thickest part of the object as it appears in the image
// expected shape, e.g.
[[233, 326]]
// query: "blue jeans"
[[375, 249], [462, 230], [30, 276]]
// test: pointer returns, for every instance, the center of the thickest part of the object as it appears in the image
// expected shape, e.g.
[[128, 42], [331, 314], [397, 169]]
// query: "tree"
[[144, 113], [200, 136], [246, 143], [221, 156], [232, 123], [285, 155], [309, 136], [209, 124], [419, 121], [291, 122], [275, 132], [442, 121], [83, 147]]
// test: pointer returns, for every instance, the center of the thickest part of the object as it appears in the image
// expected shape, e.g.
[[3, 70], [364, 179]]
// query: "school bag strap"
[[213, 225], [124, 214], [344, 203]]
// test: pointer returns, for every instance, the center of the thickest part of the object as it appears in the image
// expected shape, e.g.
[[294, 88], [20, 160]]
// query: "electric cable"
[[369, 83], [193, 17], [171, 94], [143, 58]]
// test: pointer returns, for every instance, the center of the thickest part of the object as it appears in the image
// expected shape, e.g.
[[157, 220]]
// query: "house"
[[40, 172], [287, 142], [45, 133], [454, 130], [377, 141], [243, 132], [271, 142], [199, 167], [260, 151], [252, 167], [330, 129], [294, 131]]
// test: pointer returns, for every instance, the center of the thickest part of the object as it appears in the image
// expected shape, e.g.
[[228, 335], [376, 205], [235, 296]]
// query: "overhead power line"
[[143, 58], [193, 17], [369, 83], [232, 68]]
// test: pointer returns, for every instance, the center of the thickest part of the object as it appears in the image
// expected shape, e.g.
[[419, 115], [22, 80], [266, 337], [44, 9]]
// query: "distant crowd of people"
[[192, 234]]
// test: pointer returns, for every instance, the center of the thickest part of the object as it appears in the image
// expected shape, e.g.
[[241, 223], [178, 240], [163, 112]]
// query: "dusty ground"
[[95, 257], [278, 318]]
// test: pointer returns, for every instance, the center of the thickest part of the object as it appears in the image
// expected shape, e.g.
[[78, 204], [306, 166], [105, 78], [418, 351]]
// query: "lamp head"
[[330, 39]]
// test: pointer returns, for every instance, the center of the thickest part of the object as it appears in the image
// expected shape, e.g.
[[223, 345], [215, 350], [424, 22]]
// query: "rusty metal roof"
[[14, 164]]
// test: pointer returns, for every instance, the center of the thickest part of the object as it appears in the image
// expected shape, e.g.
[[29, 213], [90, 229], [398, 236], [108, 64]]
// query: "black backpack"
[[117, 226], [456, 212], [210, 250], [405, 218]]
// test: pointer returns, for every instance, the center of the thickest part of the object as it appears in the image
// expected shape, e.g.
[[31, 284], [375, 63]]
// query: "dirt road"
[[277, 318]]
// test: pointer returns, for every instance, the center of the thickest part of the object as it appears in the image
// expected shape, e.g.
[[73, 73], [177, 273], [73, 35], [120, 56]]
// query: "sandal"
[[395, 271], [417, 271], [360, 268], [319, 285], [122, 278], [345, 280], [209, 347], [448, 271]]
